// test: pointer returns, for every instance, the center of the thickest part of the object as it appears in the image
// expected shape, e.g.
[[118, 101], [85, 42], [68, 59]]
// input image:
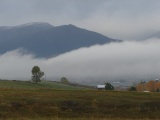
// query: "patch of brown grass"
[[48, 104]]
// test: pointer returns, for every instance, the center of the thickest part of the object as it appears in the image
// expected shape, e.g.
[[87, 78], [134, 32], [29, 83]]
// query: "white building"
[[100, 87]]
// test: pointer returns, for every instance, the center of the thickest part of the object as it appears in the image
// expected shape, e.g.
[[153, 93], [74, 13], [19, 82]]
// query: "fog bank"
[[131, 61]]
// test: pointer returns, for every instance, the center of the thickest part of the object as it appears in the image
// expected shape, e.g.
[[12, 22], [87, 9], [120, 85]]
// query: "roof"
[[100, 86]]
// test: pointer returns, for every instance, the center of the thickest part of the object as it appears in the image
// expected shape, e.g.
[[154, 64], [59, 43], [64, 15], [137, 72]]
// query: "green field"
[[6, 84], [55, 101]]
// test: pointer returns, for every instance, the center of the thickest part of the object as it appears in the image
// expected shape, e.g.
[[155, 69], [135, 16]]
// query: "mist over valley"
[[130, 61]]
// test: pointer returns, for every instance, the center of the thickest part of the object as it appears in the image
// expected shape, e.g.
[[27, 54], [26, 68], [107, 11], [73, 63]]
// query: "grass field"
[[42, 85], [54, 101]]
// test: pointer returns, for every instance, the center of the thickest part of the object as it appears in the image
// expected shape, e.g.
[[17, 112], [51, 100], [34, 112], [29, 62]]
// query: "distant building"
[[117, 82], [101, 87], [146, 91]]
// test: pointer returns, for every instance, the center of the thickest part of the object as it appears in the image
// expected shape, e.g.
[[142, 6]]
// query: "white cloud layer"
[[115, 61]]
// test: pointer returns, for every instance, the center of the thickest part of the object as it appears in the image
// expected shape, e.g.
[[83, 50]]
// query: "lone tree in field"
[[37, 74]]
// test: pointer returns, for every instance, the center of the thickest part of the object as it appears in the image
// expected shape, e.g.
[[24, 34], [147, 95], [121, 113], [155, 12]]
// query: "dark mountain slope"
[[156, 35], [21, 31], [15, 37], [45, 40]]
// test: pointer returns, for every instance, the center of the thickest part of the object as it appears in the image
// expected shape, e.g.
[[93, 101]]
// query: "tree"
[[158, 86], [108, 86], [132, 88], [141, 86], [37, 74], [151, 86], [64, 80]]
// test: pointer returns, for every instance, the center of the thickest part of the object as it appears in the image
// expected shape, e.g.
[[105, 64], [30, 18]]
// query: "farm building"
[[101, 87]]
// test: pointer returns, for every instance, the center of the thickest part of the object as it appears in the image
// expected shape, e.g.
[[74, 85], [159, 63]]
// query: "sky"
[[129, 20], [120, 19]]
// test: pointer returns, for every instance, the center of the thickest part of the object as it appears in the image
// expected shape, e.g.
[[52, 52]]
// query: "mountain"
[[45, 40], [155, 35]]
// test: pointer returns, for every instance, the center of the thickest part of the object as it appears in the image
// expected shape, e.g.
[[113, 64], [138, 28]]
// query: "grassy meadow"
[[6, 84], [55, 101]]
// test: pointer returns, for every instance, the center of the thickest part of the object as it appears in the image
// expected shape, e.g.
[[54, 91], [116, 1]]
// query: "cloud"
[[17, 65], [131, 61], [122, 19], [125, 19]]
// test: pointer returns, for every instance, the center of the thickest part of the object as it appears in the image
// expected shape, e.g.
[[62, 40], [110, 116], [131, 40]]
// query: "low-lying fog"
[[130, 61]]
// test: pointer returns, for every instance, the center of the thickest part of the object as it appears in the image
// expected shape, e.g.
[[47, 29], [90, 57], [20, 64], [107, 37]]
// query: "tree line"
[[152, 86]]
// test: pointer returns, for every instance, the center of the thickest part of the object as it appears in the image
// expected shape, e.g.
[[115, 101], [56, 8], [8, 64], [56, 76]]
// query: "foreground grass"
[[29, 104], [54, 101], [82, 119]]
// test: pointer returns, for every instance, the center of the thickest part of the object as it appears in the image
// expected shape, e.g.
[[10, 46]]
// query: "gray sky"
[[122, 19]]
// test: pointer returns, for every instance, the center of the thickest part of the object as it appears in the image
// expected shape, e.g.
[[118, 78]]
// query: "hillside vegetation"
[[54, 101], [42, 85]]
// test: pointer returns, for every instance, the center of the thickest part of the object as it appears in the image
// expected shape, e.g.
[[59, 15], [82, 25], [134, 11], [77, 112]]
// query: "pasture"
[[54, 101]]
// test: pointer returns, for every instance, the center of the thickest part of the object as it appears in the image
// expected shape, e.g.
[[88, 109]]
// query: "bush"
[[64, 80], [132, 88]]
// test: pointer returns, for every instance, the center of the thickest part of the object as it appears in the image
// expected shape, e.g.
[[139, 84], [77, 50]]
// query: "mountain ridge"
[[155, 35], [45, 40]]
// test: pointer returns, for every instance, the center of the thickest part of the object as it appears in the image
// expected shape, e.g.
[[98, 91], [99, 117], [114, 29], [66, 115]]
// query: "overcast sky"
[[122, 19]]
